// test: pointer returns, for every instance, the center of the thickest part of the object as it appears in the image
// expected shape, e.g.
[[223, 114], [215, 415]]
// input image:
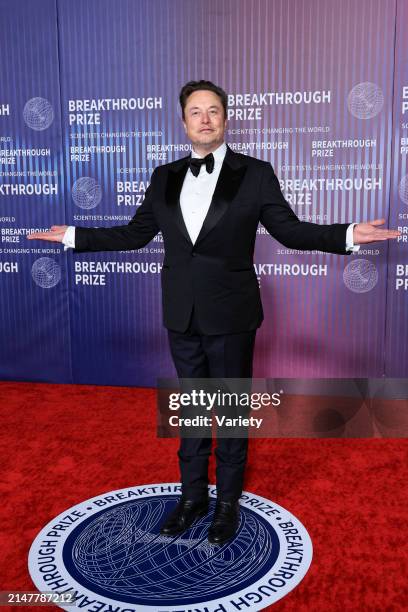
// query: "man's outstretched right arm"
[[139, 231]]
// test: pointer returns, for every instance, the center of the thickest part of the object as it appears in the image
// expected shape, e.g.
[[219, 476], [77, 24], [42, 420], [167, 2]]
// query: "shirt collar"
[[219, 153]]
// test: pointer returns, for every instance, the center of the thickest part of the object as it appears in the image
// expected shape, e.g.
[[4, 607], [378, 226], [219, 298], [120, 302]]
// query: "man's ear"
[[185, 127]]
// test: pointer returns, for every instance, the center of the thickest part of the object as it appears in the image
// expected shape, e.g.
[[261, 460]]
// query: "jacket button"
[[193, 254]]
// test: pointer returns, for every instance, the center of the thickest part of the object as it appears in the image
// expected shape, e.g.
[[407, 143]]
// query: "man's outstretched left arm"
[[282, 223]]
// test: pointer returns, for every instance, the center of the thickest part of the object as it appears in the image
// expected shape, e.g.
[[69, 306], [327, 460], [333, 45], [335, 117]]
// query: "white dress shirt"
[[195, 199], [197, 192]]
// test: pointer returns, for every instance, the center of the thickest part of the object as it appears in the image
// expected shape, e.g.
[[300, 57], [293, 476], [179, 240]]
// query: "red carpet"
[[61, 444]]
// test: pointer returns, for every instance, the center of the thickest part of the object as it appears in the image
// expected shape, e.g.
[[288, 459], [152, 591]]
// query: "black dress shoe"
[[225, 522], [183, 516]]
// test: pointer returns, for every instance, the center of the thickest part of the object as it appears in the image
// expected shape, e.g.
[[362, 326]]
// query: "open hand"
[[55, 234], [364, 233]]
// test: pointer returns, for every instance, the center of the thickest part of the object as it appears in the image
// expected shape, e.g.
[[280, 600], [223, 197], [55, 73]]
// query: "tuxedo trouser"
[[197, 355]]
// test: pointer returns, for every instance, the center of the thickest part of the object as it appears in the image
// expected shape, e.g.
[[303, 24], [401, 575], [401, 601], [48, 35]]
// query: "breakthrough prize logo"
[[38, 114], [360, 276], [108, 551], [403, 189], [365, 100], [46, 272], [86, 192]]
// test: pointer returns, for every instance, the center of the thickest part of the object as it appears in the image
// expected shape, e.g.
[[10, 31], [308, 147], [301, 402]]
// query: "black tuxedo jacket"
[[216, 274]]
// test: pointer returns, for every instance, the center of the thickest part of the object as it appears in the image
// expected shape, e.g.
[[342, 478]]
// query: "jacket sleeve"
[[282, 223], [136, 234]]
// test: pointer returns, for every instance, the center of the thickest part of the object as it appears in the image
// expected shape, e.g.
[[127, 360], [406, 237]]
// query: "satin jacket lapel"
[[173, 189], [229, 181]]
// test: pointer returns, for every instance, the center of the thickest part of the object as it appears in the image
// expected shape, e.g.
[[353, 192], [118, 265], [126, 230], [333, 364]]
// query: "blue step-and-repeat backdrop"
[[89, 106]]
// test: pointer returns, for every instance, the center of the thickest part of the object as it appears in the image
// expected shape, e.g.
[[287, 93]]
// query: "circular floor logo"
[[108, 551]]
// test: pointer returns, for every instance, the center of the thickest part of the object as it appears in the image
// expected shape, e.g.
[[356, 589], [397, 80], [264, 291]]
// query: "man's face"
[[204, 120]]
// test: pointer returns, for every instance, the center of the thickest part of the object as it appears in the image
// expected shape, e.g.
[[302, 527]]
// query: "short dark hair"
[[192, 86]]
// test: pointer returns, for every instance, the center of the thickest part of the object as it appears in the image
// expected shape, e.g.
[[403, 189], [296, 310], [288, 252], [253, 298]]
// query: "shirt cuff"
[[68, 239], [350, 246]]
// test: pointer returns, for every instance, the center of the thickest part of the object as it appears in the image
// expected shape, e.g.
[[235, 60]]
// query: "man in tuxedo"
[[208, 207]]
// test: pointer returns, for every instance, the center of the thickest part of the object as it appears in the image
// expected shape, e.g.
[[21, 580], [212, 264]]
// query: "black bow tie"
[[197, 162]]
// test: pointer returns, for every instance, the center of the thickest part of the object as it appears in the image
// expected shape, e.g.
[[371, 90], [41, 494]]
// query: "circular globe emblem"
[[360, 276], [46, 272], [86, 192], [109, 549], [365, 100], [403, 189], [38, 114]]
